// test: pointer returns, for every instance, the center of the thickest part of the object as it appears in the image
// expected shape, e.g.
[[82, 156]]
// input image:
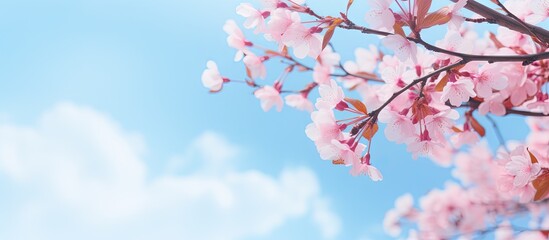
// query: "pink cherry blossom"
[[540, 11], [300, 102], [254, 17], [236, 39], [255, 65], [456, 20], [399, 127], [493, 104], [330, 96], [458, 92], [304, 41], [522, 169], [269, 97], [211, 78], [279, 22], [360, 168], [489, 78], [380, 16], [402, 48], [366, 60]]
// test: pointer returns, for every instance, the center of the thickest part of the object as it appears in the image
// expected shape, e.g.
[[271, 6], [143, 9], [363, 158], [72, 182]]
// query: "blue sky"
[[107, 131]]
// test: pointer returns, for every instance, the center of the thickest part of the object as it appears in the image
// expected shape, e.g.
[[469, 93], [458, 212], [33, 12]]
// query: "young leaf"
[[422, 9], [439, 17], [496, 42], [359, 105], [330, 32], [349, 6], [370, 131], [477, 127], [541, 184], [442, 83], [533, 158]]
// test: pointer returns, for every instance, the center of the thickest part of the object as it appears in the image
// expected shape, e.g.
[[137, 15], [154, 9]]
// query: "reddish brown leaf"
[[439, 17], [442, 83], [349, 6], [541, 184], [330, 32], [422, 9], [398, 29], [533, 158], [496, 41], [477, 127], [359, 105], [370, 131]]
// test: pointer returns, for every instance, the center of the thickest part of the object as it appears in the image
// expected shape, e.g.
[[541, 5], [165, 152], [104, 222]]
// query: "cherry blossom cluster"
[[430, 96], [491, 192]]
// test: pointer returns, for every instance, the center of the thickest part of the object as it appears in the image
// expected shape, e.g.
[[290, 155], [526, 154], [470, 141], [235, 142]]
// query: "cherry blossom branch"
[[375, 113], [499, 135], [525, 59], [509, 111], [519, 21], [344, 74], [504, 20]]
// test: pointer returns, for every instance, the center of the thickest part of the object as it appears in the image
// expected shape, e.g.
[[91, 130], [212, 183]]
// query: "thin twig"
[[499, 135]]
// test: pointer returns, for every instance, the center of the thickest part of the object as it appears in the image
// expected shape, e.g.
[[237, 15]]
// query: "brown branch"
[[375, 113], [506, 21], [525, 59], [519, 21]]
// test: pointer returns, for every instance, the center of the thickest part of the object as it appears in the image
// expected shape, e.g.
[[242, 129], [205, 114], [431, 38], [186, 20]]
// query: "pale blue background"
[[140, 62]]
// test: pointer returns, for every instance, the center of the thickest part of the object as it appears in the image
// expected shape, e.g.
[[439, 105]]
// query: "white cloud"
[[77, 175]]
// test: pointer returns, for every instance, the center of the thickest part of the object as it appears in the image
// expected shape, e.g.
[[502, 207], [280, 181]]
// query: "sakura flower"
[[402, 48], [519, 94], [458, 91], [255, 65], [464, 138], [540, 11], [456, 20], [254, 17], [542, 106], [493, 104], [455, 42], [279, 22], [380, 16], [349, 155], [391, 223], [399, 127], [404, 204], [324, 127], [305, 41], [522, 169], [489, 77], [366, 60], [330, 96], [360, 168], [236, 39], [441, 123], [422, 148], [211, 78], [299, 101], [269, 97]]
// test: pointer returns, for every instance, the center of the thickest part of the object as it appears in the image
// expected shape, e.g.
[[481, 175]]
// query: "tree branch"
[[506, 21]]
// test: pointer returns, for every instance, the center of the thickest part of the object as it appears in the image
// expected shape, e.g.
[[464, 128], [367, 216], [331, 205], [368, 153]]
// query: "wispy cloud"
[[77, 174]]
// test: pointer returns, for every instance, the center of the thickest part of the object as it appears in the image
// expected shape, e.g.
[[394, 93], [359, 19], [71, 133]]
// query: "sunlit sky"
[[106, 132]]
